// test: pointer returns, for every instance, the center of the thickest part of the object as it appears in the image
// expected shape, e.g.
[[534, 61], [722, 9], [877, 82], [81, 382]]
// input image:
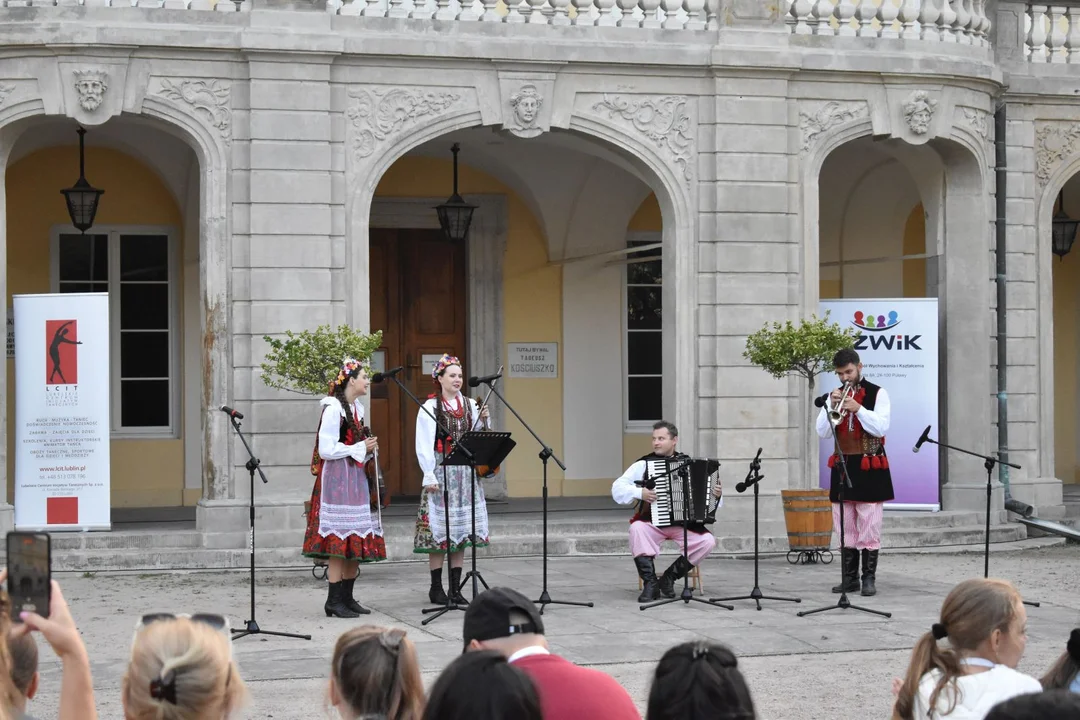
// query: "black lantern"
[[1063, 229], [82, 197], [455, 215]]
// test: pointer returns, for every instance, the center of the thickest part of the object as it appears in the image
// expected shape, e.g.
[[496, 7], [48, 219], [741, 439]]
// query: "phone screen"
[[29, 573]]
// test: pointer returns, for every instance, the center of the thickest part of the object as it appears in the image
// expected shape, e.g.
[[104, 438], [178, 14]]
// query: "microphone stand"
[[988, 462], [754, 478], [843, 603], [250, 626], [443, 435], [545, 453]]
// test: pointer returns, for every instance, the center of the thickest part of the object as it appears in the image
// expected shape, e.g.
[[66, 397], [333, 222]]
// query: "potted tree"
[[805, 350]]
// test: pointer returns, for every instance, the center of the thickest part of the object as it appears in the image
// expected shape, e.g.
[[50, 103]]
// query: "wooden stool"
[[695, 580]]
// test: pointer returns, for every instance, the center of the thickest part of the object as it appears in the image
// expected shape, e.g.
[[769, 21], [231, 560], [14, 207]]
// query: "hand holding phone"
[[29, 558]]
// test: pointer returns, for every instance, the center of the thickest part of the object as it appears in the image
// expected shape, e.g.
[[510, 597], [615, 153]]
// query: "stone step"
[[399, 548]]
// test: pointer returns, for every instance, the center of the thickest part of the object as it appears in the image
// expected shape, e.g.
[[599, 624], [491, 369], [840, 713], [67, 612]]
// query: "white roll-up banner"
[[62, 412]]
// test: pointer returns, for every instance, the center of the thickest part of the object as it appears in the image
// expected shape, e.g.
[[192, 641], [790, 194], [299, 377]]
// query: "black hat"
[[488, 616]]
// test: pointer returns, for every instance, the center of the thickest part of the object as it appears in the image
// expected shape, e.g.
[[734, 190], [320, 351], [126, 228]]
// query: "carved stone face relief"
[[919, 111], [91, 85], [526, 103]]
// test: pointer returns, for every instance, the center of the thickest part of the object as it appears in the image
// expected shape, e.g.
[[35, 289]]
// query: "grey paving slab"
[[798, 668]]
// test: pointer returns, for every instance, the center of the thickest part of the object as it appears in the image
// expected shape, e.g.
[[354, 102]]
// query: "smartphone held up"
[[29, 562]]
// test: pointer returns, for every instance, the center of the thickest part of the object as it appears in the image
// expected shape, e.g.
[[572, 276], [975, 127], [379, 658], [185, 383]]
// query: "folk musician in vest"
[[860, 432], [645, 538]]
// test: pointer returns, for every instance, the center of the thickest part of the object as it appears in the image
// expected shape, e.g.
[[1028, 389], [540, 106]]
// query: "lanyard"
[[978, 661]]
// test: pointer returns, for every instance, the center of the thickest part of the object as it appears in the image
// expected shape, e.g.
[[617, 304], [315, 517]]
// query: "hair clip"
[[938, 631], [700, 650], [1073, 645], [391, 639], [164, 688]]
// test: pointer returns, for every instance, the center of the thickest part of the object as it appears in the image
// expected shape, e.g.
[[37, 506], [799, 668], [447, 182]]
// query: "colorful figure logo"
[[876, 323]]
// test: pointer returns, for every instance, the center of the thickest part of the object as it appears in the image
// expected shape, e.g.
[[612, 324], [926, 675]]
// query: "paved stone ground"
[[798, 668]]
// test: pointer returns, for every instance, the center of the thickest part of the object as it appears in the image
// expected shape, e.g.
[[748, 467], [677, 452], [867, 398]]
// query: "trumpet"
[[836, 412]]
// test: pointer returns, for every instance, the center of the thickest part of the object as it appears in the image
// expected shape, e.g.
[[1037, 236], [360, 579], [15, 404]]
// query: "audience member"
[[1049, 705], [1065, 673], [506, 621], [181, 668], [375, 673], [482, 685], [24, 671], [985, 623], [60, 631], [699, 681]]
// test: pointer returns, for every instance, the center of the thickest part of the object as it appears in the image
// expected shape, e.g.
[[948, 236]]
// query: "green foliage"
[[308, 362], [805, 350]]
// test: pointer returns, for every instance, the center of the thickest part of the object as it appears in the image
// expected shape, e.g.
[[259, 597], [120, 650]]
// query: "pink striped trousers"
[[862, 524]]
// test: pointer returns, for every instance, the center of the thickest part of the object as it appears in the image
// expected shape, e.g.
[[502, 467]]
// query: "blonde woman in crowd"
[[985, 623], [181, 668], [59, 630], [375, 673]]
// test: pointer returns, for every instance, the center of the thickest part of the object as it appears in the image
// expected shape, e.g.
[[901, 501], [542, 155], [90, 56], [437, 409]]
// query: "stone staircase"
[[517, 530]]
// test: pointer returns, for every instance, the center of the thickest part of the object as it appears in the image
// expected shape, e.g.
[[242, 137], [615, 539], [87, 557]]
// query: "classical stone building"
[[275, 165]]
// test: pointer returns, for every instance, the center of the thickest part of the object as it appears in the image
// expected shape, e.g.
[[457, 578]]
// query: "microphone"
[[380, 376], [923, 438], [231, 413], [476, 381], [820, 401]]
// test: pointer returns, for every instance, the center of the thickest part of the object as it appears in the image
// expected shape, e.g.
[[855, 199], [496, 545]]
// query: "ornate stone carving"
[[91, 85], [978, 120], [378, 113], [919, 111], [663, 119], [208, 98], [5, 90], [828, 115], [526, 104], [1055, 142]]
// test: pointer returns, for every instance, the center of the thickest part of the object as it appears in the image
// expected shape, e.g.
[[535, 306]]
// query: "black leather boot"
[[334, 605], [347, 597], [455, 587], [869, 572], [650, 587], [436, 594], [676, 572], [849, 562]]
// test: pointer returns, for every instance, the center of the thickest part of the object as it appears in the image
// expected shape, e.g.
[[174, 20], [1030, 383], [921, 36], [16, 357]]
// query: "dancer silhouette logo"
[[61, 352]]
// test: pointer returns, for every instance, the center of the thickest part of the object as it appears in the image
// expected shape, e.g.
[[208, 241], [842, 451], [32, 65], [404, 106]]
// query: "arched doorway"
[[1065, 276]]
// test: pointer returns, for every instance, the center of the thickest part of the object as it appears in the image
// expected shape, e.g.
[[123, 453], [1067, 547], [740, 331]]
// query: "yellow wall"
[[134, 195], [647, 218], [532, 309], [1066, 281]]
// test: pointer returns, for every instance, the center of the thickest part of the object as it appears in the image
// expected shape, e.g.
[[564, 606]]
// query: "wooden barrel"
[[808, 516]]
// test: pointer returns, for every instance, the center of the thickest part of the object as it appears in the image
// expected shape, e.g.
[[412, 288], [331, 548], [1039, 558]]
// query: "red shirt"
[[569, 692]]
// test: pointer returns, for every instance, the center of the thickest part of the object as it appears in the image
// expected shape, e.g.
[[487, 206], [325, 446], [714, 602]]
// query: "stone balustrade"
[[964, 22], [228, 6], [1053, 33]]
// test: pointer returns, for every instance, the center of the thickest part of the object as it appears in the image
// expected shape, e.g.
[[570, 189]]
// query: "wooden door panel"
[[385, 421]]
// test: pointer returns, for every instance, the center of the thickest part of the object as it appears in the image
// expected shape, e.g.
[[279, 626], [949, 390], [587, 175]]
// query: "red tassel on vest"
[[884, 462], [832, 461], [865, 464]]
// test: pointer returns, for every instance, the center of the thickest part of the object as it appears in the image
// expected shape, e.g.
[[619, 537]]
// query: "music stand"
[[754, 477], [477, 448], [843, 603], [682, 470]]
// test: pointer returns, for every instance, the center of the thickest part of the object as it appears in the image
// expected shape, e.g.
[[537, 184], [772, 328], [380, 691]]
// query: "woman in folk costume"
[[341, 527], [456, 415]]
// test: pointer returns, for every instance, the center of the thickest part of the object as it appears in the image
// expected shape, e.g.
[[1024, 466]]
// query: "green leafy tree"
[[806, 349], [308, 362]]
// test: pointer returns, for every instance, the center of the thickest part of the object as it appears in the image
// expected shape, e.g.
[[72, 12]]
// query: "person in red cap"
[[504, 620]]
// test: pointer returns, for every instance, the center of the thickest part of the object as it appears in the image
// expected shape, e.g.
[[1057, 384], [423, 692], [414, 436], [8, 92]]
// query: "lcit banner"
[[898, 346], [62, 412]]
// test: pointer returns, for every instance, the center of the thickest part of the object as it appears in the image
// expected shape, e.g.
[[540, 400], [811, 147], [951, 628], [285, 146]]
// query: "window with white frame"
[[644, 343], [137, 267]]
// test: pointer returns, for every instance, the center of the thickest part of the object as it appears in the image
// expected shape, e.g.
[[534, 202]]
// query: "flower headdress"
[[348, 367], [442, 363]]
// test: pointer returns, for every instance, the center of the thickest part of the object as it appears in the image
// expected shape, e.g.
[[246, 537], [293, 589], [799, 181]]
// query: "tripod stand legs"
[[843, 604]]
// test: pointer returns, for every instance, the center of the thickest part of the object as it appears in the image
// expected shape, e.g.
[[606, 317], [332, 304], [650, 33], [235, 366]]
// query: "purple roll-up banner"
[[898, 346]]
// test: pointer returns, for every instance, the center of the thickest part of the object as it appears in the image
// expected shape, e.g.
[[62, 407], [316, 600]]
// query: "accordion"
[[673, 505]]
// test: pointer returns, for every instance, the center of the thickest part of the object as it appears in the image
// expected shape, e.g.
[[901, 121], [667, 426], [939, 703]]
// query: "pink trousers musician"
[[646, 538]]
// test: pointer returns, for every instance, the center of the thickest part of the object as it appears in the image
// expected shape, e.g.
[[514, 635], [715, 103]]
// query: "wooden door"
[[417, 281]]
